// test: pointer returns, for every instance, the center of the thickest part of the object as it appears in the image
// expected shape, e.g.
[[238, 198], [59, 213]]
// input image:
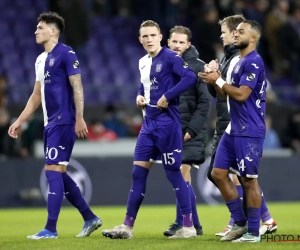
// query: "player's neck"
[[49, 45], [153, 54], [246, 51]]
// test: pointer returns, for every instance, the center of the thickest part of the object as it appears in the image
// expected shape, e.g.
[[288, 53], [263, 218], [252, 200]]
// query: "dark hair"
[[52, 17], [232, 21], [181, 30], [254, 25], [150, 23]]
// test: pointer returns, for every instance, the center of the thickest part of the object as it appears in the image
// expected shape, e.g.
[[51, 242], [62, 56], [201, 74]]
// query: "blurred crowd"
[[280, 19], [279, 47]]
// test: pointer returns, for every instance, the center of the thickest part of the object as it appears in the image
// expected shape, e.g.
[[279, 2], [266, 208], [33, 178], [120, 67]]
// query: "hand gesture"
[[187, 137], [140, 101], [162, 103], [80, 128], [214, 65], [14, 129], [210, 78]]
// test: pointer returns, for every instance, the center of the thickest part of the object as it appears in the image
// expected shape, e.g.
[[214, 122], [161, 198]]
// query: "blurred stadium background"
[[104, 33]]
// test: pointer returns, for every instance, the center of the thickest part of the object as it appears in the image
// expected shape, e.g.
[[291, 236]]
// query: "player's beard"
[[242, 45]]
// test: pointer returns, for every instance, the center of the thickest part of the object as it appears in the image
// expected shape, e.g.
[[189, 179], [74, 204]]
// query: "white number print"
[[241, 165], [258, 103], [168, 158], [51, 153], [261, 92]]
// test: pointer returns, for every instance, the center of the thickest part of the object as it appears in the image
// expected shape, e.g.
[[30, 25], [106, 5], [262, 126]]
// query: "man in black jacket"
[[228, 26], [194, 107]]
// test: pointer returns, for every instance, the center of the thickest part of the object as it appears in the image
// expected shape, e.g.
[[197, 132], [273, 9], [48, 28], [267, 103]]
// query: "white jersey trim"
[[40, 76], [145, 64], [252, 176], [229, 81], [65, 163], [155, 161]]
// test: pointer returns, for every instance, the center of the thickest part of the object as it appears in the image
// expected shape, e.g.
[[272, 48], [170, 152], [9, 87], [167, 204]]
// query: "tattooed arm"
[[75, 81]]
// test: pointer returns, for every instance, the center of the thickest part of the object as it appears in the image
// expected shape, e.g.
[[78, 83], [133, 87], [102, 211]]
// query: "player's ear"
[[140, 39], [50, 26], [56, 32], [53, 31], [169, 42], [253, 39], [160, 37], [188, 45]]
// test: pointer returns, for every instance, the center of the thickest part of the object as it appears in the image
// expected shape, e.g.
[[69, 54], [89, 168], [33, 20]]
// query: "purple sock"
[[187, 220], [179, 218], [253, 220], [129, 221], [182, 195], [236, 210], [240, 191], [231, 222], [55, 198], [194, 207], [136, 194], [74, 196], [265, 214]]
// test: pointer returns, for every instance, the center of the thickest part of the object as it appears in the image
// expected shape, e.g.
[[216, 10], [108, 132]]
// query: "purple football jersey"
[[52, 71], [161, 75], [248, 118], [165, 74]]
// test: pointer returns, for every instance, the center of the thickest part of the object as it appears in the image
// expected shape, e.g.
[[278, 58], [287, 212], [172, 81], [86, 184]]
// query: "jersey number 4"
[[261, 92]]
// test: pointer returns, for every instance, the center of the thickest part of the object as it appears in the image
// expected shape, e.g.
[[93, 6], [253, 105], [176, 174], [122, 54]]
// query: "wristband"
[[220, 82]]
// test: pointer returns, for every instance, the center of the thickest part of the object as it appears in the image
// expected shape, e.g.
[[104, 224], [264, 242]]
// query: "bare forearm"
[[233, 92], [31, 106], [79, 101], [219, 90], [75, 81]]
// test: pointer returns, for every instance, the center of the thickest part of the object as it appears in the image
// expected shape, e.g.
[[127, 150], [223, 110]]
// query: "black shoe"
[[172, 230], [199, 231]]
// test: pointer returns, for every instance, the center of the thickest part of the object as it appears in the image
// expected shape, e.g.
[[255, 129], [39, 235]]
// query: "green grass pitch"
[[16, 224]]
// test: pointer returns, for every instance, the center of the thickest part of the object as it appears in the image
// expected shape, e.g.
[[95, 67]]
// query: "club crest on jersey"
[[51, 62], [158, 67]]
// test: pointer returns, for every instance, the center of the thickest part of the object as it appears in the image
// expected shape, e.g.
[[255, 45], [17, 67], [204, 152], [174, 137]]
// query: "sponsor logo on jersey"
[[185, 65], [250, 77], [76, 64]]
